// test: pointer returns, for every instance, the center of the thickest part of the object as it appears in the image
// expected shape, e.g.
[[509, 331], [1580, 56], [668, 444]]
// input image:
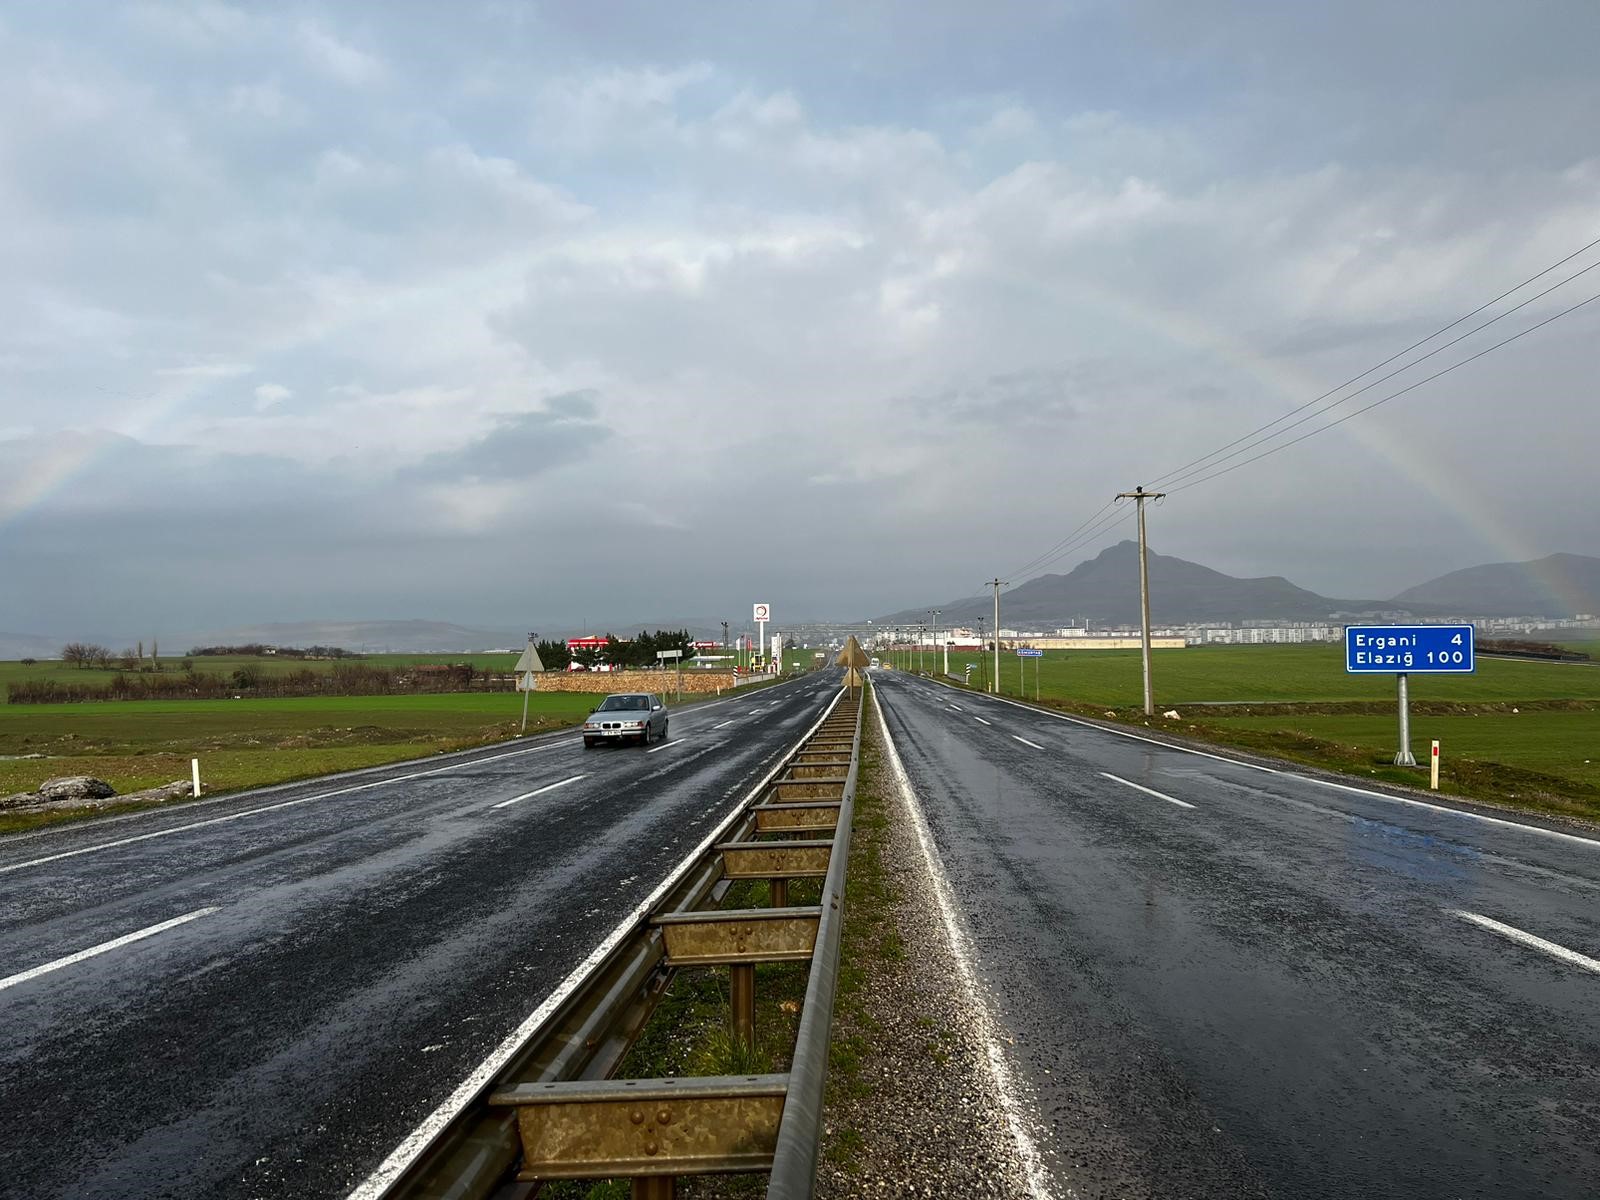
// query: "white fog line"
[[549, 787], [1011, 1105], [1147, 791], [114, 943], [1026, 742], [418, 1140], [980, 721], [1523, 938], [266, 808]]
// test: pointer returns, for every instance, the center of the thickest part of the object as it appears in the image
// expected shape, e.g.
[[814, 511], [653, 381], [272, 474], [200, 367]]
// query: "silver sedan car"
[[626, 716]]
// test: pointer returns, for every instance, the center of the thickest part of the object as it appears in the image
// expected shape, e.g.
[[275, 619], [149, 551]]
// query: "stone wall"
[[605, 682]]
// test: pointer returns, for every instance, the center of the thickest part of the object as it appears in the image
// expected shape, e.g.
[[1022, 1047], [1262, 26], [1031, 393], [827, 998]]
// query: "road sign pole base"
[[1405, 759]]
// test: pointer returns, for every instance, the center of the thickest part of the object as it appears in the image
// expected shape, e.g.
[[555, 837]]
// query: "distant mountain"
[[1561, 585], [1105, 591]]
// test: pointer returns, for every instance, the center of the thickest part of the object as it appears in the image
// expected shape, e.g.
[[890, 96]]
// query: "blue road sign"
[[1025, 653], [1408, 649]]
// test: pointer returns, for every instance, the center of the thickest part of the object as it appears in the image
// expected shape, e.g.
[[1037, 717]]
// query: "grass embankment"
[[13, 671], [251, 743], [1297, 702]]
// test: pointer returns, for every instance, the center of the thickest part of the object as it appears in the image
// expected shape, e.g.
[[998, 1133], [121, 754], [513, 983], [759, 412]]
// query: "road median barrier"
[[554, 1110]]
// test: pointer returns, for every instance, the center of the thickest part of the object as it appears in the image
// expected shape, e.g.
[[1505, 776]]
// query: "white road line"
[[1011, 1105], [1592, 843], [251, 812], [729, 722], [125, 939], [1026, 742], [1147, 791], [418, 1140], [958, 708], [549, 787], [1570, 957], [980, 721], [664, 746]]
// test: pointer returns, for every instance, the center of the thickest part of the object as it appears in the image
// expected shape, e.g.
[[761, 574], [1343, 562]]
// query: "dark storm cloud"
[[522, 444]]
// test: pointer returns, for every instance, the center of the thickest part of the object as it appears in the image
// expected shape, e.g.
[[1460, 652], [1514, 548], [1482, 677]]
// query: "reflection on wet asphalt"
[[369, 949], [1271, 992]]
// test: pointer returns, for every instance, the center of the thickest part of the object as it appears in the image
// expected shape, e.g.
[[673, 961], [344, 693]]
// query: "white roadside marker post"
[[1433, 770], [194, 770]]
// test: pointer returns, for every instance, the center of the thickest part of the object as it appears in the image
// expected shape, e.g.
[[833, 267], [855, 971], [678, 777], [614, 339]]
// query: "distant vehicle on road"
[[876, 663], [630, 716]]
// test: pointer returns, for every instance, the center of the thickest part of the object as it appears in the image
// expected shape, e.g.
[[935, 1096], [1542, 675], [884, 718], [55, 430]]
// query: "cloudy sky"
[[517, 314]]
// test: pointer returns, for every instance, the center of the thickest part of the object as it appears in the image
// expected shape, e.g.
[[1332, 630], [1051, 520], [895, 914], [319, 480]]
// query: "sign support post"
[[1403, 756], [762, 614], [526, 666]]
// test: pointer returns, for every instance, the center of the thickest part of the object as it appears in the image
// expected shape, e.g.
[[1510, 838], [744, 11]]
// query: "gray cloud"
[[283, 288]]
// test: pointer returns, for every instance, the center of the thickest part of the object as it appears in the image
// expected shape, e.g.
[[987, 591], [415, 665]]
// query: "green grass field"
[[1541, 757], [226, 664]]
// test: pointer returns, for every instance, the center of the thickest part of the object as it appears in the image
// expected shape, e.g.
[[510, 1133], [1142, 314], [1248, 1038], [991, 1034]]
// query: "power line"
[[1038, 560], [1160, 480], [1392, 395], [1179, 476]]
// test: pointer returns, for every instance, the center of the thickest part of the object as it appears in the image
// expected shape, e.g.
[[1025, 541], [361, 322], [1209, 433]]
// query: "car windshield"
[[624, 704]]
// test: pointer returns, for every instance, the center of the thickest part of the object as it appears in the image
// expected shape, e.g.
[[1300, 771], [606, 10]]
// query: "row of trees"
[[89, 654], [618, 652]]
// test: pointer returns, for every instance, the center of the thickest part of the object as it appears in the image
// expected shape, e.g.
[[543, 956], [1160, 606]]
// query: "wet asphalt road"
[[1270, 992], [360, 945]]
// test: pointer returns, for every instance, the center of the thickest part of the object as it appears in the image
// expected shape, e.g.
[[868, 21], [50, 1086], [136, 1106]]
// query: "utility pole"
[[936, 613], [996, 584], [724, 635], [1139, 495], [983, 659]]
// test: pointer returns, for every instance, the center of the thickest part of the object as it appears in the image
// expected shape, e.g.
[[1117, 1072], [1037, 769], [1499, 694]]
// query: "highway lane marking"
[[1522, 937], [1148, 791], [1592, 843], [666, 746], [549, 787], [727, 722], [418, 1140], [958, 708], [266, 808], [960, 943], [126, 939], [1026, 742], [981, 721]]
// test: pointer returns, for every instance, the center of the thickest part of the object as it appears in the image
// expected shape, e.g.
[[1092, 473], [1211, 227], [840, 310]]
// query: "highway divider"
[[553, 1110]]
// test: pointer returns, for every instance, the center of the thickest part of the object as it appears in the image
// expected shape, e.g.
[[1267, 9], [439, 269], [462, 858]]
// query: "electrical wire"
[[1162, 480], [1385, 399]]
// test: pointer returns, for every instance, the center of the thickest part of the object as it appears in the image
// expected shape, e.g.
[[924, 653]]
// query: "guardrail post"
[[742, 999]]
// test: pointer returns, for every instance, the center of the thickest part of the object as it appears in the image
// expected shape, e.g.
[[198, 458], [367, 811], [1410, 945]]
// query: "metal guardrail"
[[555, 1112]]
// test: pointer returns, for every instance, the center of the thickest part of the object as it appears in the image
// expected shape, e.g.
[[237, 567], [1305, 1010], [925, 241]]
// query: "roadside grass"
[[1297, 703]]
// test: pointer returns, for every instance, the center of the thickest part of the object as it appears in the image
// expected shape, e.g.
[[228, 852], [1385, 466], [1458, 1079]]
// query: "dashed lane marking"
[[1147, 791], [266, 808], [549, 787], [1026, 742], [115, 943], [981, 721], [1523, 938]]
